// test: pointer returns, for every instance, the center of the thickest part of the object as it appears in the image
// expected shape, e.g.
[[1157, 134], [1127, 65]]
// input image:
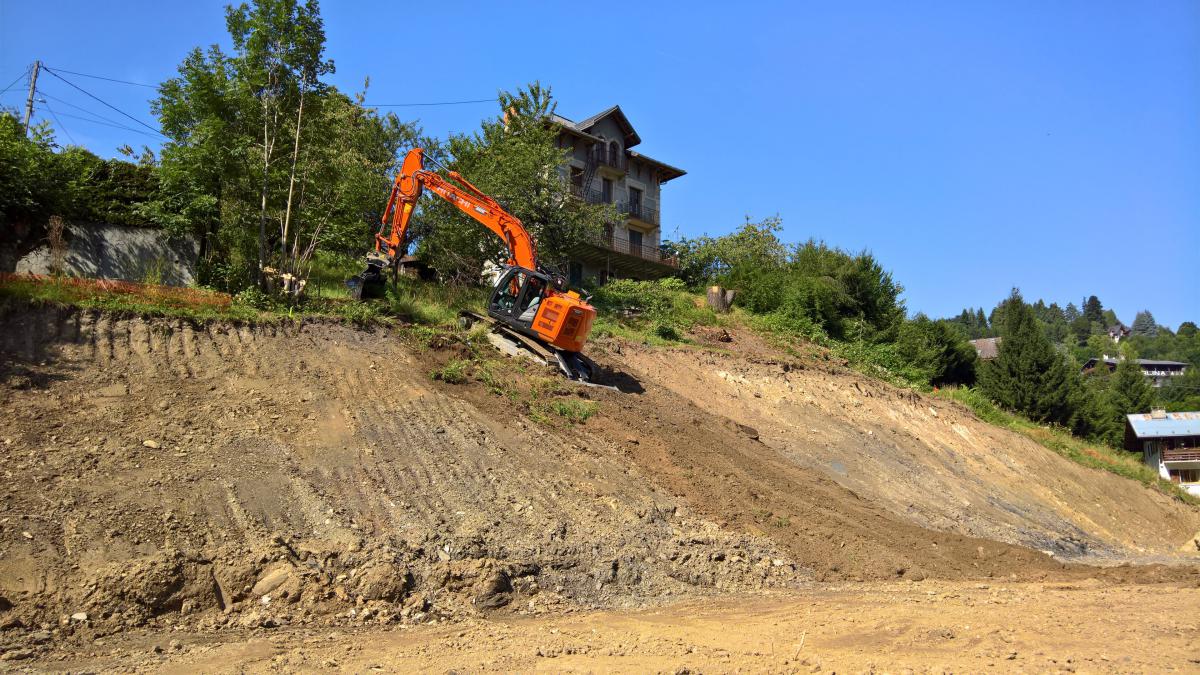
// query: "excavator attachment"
[[371, 282]]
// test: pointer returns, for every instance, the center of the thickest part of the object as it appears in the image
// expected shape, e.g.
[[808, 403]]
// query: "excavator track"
[[573, 365]]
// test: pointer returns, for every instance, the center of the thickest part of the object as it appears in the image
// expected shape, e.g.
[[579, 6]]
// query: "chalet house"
[[1157, 372], [986, 348], [1169, 444], [603, 168], [1118, 331]]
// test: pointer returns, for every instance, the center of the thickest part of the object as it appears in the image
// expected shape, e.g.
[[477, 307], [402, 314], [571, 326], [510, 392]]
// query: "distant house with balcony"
[[602, 167], [1158, 372], [1169, 443]]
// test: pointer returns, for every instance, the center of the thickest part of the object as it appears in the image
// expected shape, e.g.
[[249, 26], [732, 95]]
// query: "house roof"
[[1141, 362], [631, 136], [666, 170], [1144, 425], [570, 126], [987, 348]]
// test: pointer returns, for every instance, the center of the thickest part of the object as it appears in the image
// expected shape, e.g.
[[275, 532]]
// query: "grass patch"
[[122, 297], [651, 312], [456, 371], [574, 410], [1093, 455]]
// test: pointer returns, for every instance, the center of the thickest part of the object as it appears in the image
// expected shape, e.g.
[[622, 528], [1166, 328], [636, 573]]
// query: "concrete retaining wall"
[[120, 252]]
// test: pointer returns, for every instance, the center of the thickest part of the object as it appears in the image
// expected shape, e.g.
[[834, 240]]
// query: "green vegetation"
[[454, 372], [514, 158], [653, 312], [846, 302], [1061, 441]]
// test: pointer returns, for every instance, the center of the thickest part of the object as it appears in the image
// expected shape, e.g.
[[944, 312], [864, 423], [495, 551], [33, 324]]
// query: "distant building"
[[1118, 331], [602, 168], [987, 348], [1169, 443], [1157, 372]]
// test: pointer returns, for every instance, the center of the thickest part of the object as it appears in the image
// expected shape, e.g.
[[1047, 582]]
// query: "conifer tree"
[[1143, 324], [1029, 375]]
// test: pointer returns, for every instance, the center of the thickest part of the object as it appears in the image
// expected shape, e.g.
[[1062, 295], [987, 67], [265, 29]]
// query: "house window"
[[635, 242], [606, 190], [614, 153], [577, 182], [635, 202], [1185, 475], [576, 273]]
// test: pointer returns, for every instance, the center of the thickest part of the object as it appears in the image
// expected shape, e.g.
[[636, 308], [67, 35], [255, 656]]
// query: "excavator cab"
[[517, 297], [535, 304]]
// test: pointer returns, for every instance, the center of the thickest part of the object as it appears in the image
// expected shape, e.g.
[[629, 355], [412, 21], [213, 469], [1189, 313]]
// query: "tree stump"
[[720, 299]]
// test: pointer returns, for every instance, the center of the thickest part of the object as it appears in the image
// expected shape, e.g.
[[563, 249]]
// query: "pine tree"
[[1093, 310], [1143, 324], [1071, 312], [1129, 391], [1028, 375]]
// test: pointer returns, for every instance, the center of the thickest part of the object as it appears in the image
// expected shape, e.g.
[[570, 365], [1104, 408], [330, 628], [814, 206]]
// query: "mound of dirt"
[[923, 459], [166, 473]]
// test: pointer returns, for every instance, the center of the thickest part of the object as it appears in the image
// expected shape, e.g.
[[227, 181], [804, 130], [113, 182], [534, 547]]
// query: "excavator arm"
[[413, 178]]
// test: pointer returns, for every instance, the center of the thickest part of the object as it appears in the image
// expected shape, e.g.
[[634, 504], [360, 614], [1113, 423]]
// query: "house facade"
[[1169, 443], [1157, 372], [603, 168]]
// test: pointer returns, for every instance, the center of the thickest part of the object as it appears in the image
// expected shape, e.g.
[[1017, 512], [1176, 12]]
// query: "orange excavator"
[[529, 308]]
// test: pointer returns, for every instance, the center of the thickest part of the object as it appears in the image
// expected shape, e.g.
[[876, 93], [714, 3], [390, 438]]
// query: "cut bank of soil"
[[232, 477]]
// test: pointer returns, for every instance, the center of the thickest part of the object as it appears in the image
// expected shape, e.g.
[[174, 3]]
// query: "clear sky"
[[971, 146]]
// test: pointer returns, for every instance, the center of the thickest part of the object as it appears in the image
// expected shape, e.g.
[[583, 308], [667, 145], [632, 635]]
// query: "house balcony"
[[645, 211], [601, 155], [619, 243]]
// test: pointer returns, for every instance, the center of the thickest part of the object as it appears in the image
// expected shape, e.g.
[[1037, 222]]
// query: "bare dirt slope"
[[926, 460], [165, 474]]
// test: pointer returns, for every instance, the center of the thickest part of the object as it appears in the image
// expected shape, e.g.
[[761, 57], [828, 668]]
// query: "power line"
[[412, 105], [102, 101], [59, 122], [72, 105], [109, 79], [106, 124], [19, 78]]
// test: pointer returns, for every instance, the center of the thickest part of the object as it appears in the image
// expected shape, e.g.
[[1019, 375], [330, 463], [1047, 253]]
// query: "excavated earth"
[[220, 482]]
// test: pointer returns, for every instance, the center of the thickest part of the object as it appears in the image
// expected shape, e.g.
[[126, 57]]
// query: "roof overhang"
[[666, 171]]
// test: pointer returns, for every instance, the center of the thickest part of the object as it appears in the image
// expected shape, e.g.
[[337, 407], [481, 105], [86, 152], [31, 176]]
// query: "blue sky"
[[972, 147]]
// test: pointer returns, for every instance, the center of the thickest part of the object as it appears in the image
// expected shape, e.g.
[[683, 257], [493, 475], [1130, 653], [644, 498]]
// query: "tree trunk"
[[720, 299], [262, 216], [287, 215]]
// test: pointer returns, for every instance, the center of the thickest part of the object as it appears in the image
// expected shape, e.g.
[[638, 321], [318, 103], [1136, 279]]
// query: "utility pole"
[[37, 65]]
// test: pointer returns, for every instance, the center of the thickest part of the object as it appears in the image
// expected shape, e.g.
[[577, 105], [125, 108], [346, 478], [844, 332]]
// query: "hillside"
[[214, 476]]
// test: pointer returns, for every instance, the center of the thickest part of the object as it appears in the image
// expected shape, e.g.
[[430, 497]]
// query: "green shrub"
[[255, 298], [649, 310], [454, 372]]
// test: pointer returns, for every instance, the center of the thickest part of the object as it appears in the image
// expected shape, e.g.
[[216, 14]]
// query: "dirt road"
[[876, 627]]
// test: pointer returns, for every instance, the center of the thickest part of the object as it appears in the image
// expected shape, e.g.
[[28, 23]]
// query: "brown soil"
[[218, 479], [893, 627]]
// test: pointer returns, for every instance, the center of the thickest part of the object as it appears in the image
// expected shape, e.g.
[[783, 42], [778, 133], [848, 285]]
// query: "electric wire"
[[372, 105], [101, 100], [72, 105], [19, 78], [413, 105], [57, 121], [106, 124], [109, 79]]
